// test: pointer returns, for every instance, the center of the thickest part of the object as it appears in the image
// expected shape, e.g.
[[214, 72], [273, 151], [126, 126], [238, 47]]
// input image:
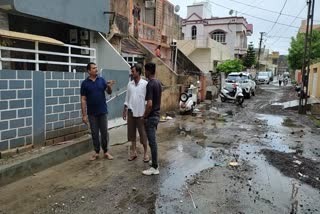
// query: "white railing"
[[90, 53]]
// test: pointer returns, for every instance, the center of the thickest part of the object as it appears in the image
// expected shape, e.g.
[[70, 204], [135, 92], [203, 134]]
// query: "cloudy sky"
[[262, 14]]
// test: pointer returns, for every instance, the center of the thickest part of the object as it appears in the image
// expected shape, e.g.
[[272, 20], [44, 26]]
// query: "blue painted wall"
[[37, 106], [87, 14]]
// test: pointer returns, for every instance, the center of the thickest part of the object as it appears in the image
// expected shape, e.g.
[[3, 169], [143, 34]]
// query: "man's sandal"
[[132, 157]]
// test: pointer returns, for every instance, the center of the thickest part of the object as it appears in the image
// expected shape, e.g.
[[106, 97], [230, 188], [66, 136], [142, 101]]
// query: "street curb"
[[44, 159]]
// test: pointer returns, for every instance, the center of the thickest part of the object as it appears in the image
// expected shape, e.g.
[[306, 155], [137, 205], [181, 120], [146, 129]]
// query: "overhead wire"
[[295, 18], [251, 6], [256, 17], [271, 11], [274, 24]]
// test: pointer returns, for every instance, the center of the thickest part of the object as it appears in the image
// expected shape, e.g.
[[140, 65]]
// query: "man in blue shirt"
[[94, 108]]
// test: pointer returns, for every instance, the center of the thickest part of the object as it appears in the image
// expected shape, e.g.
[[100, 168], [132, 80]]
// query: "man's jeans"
[[99, 123], [151, 125]]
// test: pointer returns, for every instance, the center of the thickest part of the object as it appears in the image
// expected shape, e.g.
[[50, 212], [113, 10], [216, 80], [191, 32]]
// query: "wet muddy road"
[[226, 159]]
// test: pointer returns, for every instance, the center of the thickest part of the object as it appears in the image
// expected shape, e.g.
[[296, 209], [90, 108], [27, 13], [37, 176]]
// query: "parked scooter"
[[232, 93], [188, 100]]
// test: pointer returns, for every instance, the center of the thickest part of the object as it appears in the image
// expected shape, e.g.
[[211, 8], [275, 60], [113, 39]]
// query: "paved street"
[[276, 154]]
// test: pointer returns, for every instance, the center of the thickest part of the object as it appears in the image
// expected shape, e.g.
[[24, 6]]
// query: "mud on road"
[[195, 171]]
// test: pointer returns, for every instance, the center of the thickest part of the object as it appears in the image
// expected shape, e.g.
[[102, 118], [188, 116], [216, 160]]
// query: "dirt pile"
[[295, 166]]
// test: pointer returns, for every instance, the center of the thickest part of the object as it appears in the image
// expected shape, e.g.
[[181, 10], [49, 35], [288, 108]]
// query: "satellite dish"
[[231, 12], [177, 8]]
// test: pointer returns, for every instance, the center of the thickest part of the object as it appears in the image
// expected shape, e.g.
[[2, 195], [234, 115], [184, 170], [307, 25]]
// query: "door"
[[314, 82]]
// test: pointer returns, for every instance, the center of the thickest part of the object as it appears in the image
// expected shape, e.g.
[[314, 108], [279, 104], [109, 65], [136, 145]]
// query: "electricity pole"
[[259, 52], [303, 100]]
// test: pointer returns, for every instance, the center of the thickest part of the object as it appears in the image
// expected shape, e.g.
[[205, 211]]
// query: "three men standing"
[[143, 117]]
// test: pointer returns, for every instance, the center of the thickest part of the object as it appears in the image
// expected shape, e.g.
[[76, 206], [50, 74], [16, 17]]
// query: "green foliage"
[[313, 61], [296, 50], [229, 66], [250, 58]]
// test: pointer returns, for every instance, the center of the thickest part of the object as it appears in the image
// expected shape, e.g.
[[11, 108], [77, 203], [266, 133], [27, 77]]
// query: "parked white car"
[[245, 81], [263, 77]]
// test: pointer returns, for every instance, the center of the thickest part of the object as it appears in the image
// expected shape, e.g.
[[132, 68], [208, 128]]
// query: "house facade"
[[152, 23], [206, 54], [136, 31], [283, 65], [229, 31], [45, 46], [314, 81], [303, 26]]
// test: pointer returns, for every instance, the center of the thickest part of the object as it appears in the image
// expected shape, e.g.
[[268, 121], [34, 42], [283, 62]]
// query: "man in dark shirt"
[[152, 115], [94, 108]]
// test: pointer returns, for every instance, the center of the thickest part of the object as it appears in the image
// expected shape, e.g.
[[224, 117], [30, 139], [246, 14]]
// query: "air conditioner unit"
[[150, 4]]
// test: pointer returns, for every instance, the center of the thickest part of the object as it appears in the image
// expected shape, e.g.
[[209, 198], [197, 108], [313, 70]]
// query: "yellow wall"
[[311, 80], [204, 55]]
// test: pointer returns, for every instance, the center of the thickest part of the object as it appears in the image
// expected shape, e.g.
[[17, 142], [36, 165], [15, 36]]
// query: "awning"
[[127, 46], [29, 37]]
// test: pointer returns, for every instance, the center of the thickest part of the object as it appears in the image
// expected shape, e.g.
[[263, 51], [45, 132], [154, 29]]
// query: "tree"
[[296, 50], [229, 66], [250, 58]]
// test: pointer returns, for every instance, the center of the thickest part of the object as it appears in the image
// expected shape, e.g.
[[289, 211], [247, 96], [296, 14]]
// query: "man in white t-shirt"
[[280, 79], [134, 107]]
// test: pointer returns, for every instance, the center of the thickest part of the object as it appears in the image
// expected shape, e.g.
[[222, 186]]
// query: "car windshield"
[[236, 78], [263, 74]]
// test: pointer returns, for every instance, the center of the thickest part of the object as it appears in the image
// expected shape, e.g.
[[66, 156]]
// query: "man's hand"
[[85, 119], [109, 86], [110, 83], [143, 119], [124, 114]]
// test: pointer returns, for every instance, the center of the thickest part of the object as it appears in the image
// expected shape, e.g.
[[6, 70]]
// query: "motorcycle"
[[232, 93], [188, 100], [285, 81]]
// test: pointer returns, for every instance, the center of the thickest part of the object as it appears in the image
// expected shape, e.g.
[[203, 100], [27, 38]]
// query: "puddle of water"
[[286, 194], [272, 120], [186, 159], [276, 135]]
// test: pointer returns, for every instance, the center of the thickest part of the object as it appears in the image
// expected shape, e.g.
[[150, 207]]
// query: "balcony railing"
[[146, 31], [66, 58]]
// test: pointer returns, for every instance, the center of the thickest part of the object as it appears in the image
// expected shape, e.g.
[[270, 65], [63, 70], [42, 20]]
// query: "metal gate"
[[116, 99]]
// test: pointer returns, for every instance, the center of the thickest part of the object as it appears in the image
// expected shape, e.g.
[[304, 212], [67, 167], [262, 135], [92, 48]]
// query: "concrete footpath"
[[26, 164]]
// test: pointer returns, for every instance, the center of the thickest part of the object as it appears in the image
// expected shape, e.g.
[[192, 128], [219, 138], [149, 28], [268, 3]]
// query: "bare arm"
[[84, 109], [124, 112], [125, 107], [148, 109]]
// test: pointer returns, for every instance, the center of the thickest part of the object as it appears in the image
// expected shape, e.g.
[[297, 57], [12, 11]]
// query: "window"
[[275, 61], [193, 32], [219, 36], [132, 59]]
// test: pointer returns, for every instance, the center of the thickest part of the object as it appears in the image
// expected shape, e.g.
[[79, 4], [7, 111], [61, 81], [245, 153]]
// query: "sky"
[[262, 14]]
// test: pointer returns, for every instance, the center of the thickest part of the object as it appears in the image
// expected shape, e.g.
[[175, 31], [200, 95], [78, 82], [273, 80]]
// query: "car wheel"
[[248, 95]]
